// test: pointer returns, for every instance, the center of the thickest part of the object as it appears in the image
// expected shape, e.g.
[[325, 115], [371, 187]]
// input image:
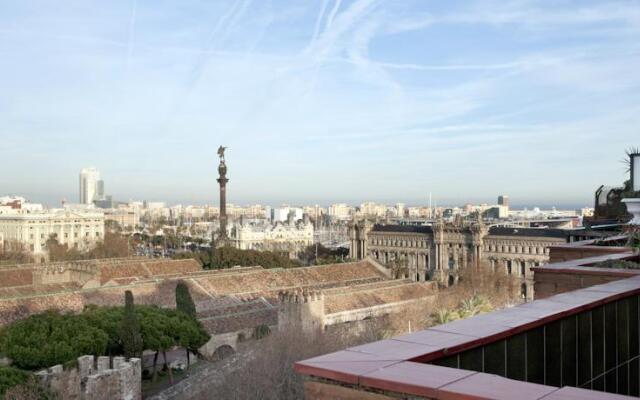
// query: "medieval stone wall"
[[100, 378]]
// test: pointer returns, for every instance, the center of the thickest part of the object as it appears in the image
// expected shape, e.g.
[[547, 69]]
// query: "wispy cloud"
[[132, 31], [366, 90]]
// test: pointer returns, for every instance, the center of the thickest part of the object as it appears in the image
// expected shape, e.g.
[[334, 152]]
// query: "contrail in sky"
[[132, 26], [334, 11], [316, 32]]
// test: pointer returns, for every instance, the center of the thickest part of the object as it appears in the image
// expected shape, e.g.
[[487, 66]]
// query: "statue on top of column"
[[221, 150]]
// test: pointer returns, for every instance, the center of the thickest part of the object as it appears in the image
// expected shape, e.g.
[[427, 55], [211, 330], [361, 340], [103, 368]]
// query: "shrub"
[[32, 389], [10, 377], [261, 331]]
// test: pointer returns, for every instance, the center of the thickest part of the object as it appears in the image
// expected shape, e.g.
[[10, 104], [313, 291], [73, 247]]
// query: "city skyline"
[[331, 101]]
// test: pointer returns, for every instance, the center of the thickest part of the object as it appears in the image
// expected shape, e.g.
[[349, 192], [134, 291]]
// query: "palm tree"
[[443, 316]]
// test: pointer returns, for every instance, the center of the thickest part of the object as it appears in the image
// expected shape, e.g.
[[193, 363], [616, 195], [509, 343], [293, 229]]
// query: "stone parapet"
[[100, 378]]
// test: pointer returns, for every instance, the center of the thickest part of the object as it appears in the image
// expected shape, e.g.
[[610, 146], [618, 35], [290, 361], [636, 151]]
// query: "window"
[[97, 234], [523, 268], [66, 235]]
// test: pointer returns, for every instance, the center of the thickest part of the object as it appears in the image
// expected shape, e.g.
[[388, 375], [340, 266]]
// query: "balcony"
[[580, 341]]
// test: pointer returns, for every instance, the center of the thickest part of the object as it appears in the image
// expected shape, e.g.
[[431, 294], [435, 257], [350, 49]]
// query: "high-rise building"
[[100, 191], [89, 178], [503, 200], [400, 209]]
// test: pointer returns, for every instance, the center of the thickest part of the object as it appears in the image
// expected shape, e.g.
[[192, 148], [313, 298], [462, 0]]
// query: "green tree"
[[50, 338], [227, 257], [130, 328], [184, 301], [113, 245], [187, 332], [109, 320], [185, 304]]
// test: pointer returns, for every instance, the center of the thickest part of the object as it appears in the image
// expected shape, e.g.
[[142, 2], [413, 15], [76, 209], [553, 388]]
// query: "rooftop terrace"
[[582, 344]]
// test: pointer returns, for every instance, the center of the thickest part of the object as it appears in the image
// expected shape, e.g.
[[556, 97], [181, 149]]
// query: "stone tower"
[[301, 309], [222, 238]]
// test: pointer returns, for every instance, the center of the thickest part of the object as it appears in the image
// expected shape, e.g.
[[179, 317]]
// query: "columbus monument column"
[[222, 238]]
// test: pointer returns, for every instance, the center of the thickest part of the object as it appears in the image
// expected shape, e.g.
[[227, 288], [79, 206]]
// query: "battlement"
[[300, 296], [303, 308], [96, 378]]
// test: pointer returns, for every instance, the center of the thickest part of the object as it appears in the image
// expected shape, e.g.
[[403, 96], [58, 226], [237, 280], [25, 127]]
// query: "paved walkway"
[[202, 376]]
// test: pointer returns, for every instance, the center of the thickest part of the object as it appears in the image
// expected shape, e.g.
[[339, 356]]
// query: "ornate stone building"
[[291, 237], [439, 251]]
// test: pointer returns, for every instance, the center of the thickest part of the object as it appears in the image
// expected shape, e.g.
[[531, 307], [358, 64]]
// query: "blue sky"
[[319, 101]]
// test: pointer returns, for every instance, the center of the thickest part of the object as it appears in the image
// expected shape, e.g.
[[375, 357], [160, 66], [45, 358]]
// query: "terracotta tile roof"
[[24, 291], [143, 268], [270, 280], [379, 294], [239, 316], [172, 267]]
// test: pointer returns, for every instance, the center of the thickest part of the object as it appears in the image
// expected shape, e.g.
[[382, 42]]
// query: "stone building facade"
[[75, 228], [437, 252]]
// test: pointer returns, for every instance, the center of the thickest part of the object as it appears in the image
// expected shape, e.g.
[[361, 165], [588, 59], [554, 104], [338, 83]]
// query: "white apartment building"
[[125, 217], [340, 211], [371, 209], [314, 212], [281, 214], [89, 178], [76, 228]]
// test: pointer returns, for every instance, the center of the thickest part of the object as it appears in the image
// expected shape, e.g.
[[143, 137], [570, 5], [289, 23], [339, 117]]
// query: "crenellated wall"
[[100, 378], [301, 307]]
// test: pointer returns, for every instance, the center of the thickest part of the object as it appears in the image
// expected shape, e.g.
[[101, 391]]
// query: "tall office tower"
[[503, 200], [400, 209], [100, 193], [89, 178]]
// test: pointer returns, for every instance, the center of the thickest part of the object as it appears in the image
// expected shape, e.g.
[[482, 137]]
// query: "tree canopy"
[[113, 245], [130, 328], [184, 301], [227, 257], [51, 338], [324, 255]]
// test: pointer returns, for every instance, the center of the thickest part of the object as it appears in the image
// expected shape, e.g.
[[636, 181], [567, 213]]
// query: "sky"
[[319, 101]]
